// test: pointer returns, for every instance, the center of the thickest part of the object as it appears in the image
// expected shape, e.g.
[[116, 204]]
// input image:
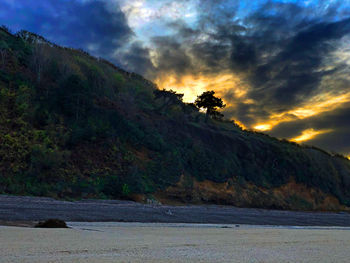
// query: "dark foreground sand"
[[29, 209], [140, 242]]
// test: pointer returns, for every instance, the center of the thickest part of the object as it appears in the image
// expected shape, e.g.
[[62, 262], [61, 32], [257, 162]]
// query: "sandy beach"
[[124, 231], [139, 242]]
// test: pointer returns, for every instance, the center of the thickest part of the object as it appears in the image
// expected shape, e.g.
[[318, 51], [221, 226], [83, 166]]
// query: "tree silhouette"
[[169, 97], [211, 103], [3, 50], [75, 98]]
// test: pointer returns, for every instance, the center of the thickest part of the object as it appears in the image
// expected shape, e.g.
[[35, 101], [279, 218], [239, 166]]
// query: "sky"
[[282, 67]]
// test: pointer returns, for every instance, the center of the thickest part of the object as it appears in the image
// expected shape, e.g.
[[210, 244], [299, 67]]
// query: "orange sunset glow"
[[309, 134], [193, 85], [319, 104]]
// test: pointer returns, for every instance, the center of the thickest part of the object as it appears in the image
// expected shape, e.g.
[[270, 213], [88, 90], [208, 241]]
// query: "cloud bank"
[[98, 27]]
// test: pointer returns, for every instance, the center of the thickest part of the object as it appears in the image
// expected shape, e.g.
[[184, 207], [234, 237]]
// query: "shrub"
[[45, 162]]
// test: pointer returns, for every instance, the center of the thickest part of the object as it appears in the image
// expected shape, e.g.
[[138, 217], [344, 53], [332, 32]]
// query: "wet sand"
[[29, 209], [139, 242]]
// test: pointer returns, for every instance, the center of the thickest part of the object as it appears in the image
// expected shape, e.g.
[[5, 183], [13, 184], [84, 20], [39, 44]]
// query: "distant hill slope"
[[74, 126]]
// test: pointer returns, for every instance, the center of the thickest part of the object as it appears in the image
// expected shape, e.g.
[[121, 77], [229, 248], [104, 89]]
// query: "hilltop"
[[75, 126]]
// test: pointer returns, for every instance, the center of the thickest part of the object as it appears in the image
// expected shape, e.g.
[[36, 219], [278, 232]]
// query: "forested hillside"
[[74, 126]]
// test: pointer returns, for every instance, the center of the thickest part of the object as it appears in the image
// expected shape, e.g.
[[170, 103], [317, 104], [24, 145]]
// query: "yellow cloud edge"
[[318, 105], [309, 134], [193, 85]]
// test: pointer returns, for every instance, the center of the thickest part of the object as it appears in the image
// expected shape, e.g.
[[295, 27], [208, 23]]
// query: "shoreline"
[[26, 211]]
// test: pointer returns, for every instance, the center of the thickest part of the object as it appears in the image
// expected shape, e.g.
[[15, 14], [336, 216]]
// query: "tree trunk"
[[77, 110], [207, 116], [2, 52], [39, 68]]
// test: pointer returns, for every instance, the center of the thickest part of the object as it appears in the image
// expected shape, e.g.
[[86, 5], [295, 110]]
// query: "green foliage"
[[74, 98], [118, 78], [126, 190], [112, 186], [23, 99], [302, 204], [4, 76], [94, 74], [45, 162], [3, 45]]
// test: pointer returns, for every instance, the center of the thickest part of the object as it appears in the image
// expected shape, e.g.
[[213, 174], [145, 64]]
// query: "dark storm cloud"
[[278, 48], [293, 74], [338, 121], [171, 55], [136, 58], [90, 25], [281, 51]]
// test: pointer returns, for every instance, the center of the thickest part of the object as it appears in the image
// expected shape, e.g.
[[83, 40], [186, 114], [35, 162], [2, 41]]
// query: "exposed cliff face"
[[291, 196]]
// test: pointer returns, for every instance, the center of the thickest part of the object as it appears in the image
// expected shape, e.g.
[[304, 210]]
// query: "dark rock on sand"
[[52, 223]]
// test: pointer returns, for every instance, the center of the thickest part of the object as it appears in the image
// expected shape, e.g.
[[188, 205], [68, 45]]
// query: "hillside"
[[74, 126]]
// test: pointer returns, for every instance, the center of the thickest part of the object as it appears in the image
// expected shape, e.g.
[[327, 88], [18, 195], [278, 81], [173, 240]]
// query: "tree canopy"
[[170, 97], [208, 101]]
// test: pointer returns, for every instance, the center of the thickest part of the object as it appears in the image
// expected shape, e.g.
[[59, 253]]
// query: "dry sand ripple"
[[138, 242]]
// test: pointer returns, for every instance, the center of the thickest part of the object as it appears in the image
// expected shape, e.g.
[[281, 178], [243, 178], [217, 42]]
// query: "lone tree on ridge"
[[211, 103]]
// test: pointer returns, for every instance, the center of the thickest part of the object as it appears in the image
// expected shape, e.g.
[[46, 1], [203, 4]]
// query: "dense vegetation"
[[73, 126]]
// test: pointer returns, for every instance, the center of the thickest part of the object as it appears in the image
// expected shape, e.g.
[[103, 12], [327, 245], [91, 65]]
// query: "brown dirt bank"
[[17, 208], [291, 196]]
